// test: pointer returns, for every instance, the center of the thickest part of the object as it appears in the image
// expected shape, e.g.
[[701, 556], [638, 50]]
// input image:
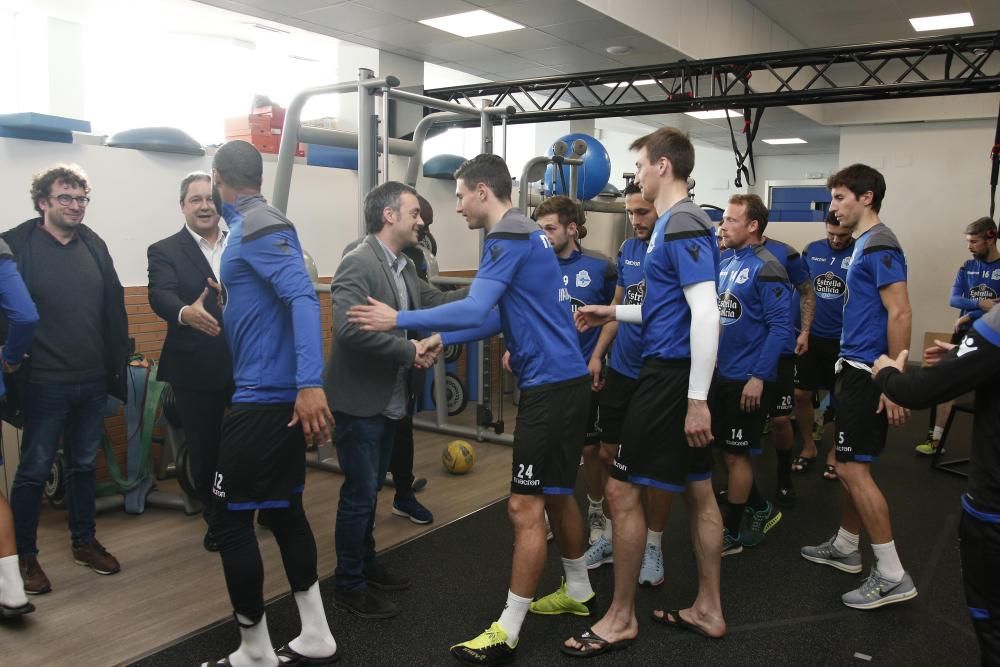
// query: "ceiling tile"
[[408, 35], [419, 10], [550, 12], [528, 73], [500, 62], [350, 17], [514, 41], [582, 31], [459, 50], [290, 7], [557, 55]]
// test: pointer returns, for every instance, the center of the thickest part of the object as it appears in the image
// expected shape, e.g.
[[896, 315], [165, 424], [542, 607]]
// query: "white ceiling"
[[821, 23]]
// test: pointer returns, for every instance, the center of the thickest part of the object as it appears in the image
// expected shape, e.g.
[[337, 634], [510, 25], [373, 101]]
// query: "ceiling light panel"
[[942, 22], [472, 24]]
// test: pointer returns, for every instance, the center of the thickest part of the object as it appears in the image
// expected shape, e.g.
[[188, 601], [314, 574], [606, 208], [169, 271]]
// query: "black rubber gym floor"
[[781, 609]]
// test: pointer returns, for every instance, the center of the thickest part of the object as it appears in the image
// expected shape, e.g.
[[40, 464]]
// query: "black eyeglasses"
[[66, 200]]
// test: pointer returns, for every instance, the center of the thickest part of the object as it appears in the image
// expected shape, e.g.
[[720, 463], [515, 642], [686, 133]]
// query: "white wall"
[[937, 177], [135, 201], [791, 167]]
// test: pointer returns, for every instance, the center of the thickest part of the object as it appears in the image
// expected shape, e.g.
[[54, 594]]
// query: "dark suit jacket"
[[191, 360], [361, 369]]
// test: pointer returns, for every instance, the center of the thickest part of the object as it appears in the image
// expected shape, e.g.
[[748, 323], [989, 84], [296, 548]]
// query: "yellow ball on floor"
[[458, 457]]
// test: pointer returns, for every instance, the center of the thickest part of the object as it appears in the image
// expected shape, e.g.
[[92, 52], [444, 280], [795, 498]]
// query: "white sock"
[[255, 645], [315, 640], [513, 616], [11, 585], [937, 433], [596, 506], [654, 538], [607, 528], [888, 561], [846, 542], [577, 578]]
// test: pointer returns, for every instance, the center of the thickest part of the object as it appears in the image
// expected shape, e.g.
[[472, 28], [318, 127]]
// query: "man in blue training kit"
[[755, 312], [518, 290], [827, 261], [782, 401], [975, 292], [624, 363], [954, 370], [20, 318], [877, 320], [272, 322], [590, 278], [667, 429]]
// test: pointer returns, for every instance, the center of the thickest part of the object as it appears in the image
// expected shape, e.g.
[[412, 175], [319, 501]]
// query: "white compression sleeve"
[[630, 314], [702, 299]]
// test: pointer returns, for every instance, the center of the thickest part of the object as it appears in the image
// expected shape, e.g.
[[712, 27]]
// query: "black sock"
[[734, 515], [756, 501], [784, 468]]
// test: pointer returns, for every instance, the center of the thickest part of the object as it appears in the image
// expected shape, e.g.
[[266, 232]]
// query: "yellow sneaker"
[[560, 602], [489, 648], [927, 447]]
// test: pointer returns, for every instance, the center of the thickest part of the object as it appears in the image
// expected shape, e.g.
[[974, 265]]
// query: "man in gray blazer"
[[368, 387]]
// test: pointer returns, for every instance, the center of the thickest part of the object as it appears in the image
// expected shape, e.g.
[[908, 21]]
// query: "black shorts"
[[593, 436], [262, 462], [736, 432], [548, 437], [815, 369], [980, 552], [615, 397], [654, 451], [861, 432], [781, 392], [956, 337]]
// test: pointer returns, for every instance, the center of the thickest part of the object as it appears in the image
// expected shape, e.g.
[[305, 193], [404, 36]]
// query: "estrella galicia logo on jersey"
[[996, 274], [575, 304], [582, 278], [846, 262], [742, 276], [730, 308], [564, 295], [982, 291], [694, 250], [887, 260], [495, 251], [829, 286], [635, 294]]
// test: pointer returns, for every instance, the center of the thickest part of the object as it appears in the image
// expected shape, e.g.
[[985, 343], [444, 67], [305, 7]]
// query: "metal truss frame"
[[922, 67]]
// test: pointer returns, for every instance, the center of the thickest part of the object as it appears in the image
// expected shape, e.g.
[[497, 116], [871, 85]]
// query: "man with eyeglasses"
[[77, 359]]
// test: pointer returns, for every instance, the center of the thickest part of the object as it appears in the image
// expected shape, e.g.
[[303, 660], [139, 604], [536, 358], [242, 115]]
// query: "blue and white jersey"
[[828, 270], [877, 261], [797, 273], [590, 278], [682, 251], [755, 313], [975, 281], [626, 350], [271, 312]]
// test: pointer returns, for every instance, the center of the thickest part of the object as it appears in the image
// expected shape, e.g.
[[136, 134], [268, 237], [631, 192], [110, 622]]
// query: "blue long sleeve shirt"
[[18, 308], [271, 313], [974, 282]]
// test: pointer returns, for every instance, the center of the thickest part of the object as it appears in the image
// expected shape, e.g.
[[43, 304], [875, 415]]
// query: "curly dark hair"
[[41, 184], [567, 210]]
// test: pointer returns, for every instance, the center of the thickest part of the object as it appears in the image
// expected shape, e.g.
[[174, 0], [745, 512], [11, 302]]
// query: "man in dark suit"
[[368, 386], [183, 268]]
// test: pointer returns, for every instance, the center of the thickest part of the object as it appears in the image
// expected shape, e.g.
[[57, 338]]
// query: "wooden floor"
[[170, 586]]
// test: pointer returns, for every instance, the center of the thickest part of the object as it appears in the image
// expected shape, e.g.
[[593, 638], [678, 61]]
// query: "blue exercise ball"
[[592, 175]]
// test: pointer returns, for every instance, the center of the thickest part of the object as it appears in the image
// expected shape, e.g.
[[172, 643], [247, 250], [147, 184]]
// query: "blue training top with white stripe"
[[271, 312], [682, 251], [626, 350]]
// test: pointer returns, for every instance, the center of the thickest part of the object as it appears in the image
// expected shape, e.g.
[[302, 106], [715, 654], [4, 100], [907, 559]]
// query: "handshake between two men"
[[377, 316]]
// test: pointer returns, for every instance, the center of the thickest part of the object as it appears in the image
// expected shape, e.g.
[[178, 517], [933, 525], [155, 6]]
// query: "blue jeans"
[[364, 447], [75, 411]]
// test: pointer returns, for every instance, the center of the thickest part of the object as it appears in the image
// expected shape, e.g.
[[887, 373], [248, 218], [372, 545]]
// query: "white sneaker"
[[599, 554]]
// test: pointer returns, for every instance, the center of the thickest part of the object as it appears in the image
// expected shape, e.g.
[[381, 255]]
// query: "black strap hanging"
[[750, 130], [995, 174]]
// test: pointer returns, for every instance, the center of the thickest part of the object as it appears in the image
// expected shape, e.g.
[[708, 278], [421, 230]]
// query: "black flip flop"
[[16, 612], [288, 656], [599, 644], [803, 463], [673, 619]]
